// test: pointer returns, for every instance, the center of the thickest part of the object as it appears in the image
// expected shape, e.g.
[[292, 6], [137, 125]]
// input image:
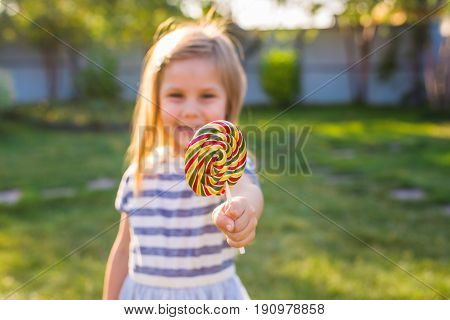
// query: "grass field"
[[357, 157]]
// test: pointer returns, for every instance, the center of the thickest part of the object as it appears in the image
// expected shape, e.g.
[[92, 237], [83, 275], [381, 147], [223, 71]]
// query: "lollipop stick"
[[228, 194], [227, 191]]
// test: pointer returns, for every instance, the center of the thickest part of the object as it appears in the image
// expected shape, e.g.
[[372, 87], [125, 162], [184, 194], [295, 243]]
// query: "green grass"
[[297, 253], [94, 114]]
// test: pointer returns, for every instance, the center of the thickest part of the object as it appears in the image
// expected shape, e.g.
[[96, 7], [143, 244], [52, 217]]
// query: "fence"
[[321, 60]]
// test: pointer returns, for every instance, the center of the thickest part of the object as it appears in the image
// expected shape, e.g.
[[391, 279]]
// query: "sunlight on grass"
[[340, 130], [385, 128], [441, 130], [353, 279]]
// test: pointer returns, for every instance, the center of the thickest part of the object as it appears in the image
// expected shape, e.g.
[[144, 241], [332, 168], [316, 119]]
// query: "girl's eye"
[[175, 95], [208, 96]]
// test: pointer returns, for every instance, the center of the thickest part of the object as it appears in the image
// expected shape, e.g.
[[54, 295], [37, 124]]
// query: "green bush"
[[280, 76], [94, 82], [6, 91]]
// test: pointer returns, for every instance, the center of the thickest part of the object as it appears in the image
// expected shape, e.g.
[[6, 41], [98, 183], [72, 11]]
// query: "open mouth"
[[186, 130]]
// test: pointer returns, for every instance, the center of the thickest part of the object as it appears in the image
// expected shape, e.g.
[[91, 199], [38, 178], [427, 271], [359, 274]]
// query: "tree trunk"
[[437, 72], [74, 68], [49, 58], [366, 39], [362, 39], [350, 53], [416, 94], [437, 77]]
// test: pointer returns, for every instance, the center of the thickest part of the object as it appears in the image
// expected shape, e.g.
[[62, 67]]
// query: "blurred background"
[[371, 78]]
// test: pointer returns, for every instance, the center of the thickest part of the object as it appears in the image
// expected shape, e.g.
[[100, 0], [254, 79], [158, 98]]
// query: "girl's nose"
[[190, 109]]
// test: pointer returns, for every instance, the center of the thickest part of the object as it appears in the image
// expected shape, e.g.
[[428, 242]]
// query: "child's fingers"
[[235, 209], [245, 242], [242, 222], [222, 221], [243, 234]]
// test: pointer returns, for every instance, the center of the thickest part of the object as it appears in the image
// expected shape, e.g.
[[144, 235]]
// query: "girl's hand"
[[237, 219]]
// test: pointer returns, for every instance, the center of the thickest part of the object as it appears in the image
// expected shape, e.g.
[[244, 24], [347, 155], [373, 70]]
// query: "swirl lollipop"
[[215, 159]]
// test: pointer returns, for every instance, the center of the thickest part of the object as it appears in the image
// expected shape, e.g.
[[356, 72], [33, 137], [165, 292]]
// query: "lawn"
[[357, 157]]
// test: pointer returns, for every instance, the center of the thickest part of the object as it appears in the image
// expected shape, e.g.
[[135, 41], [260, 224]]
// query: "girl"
[[171, 243]]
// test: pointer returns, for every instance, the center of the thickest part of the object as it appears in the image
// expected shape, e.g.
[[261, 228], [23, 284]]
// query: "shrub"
[[6, 91], [94, 82], [280, 76]]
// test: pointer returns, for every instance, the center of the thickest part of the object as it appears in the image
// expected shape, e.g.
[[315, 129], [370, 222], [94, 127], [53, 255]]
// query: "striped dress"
[[176, 252]]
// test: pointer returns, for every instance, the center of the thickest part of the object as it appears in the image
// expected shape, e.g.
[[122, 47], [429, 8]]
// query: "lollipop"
[[215, 159]]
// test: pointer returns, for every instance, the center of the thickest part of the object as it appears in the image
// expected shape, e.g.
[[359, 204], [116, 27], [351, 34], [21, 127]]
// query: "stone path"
[[54, 193], [345, 153], [101, 184], [395, 147], [340, 178], [10, 196], [13, 196], [446, 210], [412, 194]]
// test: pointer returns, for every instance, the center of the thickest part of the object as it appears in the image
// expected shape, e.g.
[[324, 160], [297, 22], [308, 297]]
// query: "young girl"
[[173, 244]]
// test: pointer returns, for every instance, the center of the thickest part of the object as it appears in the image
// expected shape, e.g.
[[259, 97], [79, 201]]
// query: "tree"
[[35, 20], [361, 20], [81, 24], [437, 76], [427, 76]]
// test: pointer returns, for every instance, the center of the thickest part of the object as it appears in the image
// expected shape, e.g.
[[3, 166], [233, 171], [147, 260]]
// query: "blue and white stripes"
[[174, 242]]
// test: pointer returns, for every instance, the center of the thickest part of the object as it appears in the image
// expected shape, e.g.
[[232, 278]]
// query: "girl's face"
[[191, 95]]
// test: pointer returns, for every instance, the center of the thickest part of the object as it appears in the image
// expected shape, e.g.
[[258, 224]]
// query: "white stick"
[[228, 194]]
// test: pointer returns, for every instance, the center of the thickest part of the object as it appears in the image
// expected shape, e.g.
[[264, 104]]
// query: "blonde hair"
[[175, 42]]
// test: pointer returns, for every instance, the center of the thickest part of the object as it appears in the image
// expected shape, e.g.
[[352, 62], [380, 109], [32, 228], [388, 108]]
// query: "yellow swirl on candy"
[[216, 154]]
